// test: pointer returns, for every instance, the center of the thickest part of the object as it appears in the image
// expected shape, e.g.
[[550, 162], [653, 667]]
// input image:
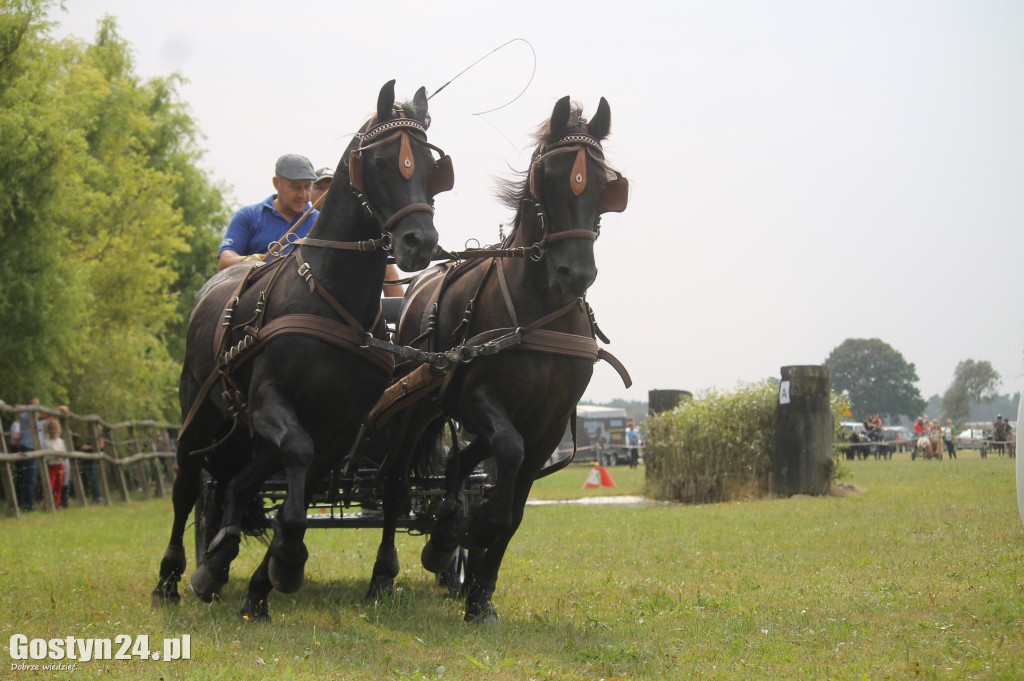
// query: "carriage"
[[312, 411]]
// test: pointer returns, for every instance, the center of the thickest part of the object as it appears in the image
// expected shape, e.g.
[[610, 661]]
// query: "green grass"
[[918, 578]]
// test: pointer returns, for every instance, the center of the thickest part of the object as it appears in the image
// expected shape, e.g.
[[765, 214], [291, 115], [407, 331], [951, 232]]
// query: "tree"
[[38, 295], [972, 382], [876, 377], [108, 225]]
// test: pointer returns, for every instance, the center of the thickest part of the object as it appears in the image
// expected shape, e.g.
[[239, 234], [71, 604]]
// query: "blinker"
[[442, 177], [615, 196]]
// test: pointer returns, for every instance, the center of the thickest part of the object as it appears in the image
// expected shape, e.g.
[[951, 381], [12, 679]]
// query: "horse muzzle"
[[572, 278], [413, 237]]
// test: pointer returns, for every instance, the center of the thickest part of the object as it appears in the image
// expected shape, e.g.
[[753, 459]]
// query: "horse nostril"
[[411, 242]]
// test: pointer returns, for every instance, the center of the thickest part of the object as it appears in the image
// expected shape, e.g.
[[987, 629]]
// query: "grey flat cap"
[[294, 167]]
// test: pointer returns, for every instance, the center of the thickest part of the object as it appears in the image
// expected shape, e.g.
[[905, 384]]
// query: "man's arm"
[[235, 245], [227, 258]]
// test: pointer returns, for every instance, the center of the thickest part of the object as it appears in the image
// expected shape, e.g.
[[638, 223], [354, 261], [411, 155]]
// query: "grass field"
[[919, 577]]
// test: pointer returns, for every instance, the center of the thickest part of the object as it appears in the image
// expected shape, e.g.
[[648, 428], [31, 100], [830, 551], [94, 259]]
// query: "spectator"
[[321, 184], [324, 177], [58, 469], [633, 441], [949, 437], [999, 429], [27, 470], [255, 228], [90, 468]]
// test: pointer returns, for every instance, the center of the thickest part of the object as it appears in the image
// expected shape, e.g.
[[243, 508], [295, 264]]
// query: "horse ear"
[[602, 122], [559, 117], [386, 101], [419, 105]]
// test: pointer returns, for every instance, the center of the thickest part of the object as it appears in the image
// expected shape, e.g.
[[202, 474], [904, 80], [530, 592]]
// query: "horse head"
[[571, 186], [391, 167]]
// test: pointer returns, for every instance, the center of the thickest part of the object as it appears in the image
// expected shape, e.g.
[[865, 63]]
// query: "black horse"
[[287, 384], [516, 402]]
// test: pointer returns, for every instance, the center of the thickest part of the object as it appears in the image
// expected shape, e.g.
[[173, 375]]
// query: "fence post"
[[75, 472], [156, 463], [8, 479], [172, 470], [140, 465], [99, 447], [42, 468], [119, 467], [802, 460]]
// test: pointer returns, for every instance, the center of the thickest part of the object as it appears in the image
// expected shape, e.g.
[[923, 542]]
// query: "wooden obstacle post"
[[802, 461], [659, 401]]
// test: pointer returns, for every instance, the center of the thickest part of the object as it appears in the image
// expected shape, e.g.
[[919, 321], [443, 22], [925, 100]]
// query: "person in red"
[[919, 426], [57, 467]]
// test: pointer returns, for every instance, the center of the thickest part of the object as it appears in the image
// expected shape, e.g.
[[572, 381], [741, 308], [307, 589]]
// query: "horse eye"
[[380, 164]]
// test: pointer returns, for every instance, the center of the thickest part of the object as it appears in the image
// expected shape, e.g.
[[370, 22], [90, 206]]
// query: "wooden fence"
[[119, 460]]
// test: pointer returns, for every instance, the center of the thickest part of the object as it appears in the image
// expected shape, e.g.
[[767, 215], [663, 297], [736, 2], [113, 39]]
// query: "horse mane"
[[513, 188]]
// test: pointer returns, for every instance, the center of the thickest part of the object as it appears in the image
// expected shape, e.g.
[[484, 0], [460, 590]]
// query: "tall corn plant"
[[716, 447]]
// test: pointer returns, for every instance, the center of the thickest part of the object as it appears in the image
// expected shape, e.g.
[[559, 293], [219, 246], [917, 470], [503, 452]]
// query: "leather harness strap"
[[347, 334]]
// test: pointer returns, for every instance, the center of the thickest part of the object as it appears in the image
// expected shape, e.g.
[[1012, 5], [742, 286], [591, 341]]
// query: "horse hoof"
[[165, 594], [436, 560], [474, 534], [380, 585], [204, 585], [254, 613], [286, 578], [485, 614]]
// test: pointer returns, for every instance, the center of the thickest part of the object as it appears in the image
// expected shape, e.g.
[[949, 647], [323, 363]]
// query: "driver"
[[254, 228]]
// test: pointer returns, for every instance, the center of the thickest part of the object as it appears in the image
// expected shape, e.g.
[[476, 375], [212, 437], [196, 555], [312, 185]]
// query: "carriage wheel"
[[454, 578]]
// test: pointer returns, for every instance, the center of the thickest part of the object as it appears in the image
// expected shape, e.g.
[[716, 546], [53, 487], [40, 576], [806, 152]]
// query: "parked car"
[[970, 438], [902, 437], [847, 427]]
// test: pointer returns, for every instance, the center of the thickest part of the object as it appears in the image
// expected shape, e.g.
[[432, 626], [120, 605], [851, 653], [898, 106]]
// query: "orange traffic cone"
[[606, 478], [594, 479]]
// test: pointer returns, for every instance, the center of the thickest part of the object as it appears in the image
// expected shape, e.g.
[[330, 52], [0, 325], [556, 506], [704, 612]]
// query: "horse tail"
[[432, 452]]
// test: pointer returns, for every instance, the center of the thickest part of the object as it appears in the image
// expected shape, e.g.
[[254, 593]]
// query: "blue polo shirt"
[[255, 227]]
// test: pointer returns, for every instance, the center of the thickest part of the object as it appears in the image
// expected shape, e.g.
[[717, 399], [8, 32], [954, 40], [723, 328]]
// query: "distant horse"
[[518, 401], [274, 374], [928, 447]]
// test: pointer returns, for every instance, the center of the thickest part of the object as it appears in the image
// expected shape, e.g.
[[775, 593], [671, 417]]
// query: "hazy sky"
[[801, 172]]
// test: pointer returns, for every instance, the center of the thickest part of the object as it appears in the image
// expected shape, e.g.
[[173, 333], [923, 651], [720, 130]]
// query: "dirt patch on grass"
[[846, 489]]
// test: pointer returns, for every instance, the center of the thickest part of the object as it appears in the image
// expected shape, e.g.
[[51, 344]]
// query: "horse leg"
[[395, 493], [482, 576], [500, 436], [386, 566], [183, 495], [212, 574], [275, 419], [439, 551], [256, 608]]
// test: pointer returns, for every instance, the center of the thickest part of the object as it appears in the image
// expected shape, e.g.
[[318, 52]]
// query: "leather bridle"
[[404, 130], [614, 194]]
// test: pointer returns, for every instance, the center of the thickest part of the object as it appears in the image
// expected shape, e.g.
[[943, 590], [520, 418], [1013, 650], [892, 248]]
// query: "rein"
[[347, 334]]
